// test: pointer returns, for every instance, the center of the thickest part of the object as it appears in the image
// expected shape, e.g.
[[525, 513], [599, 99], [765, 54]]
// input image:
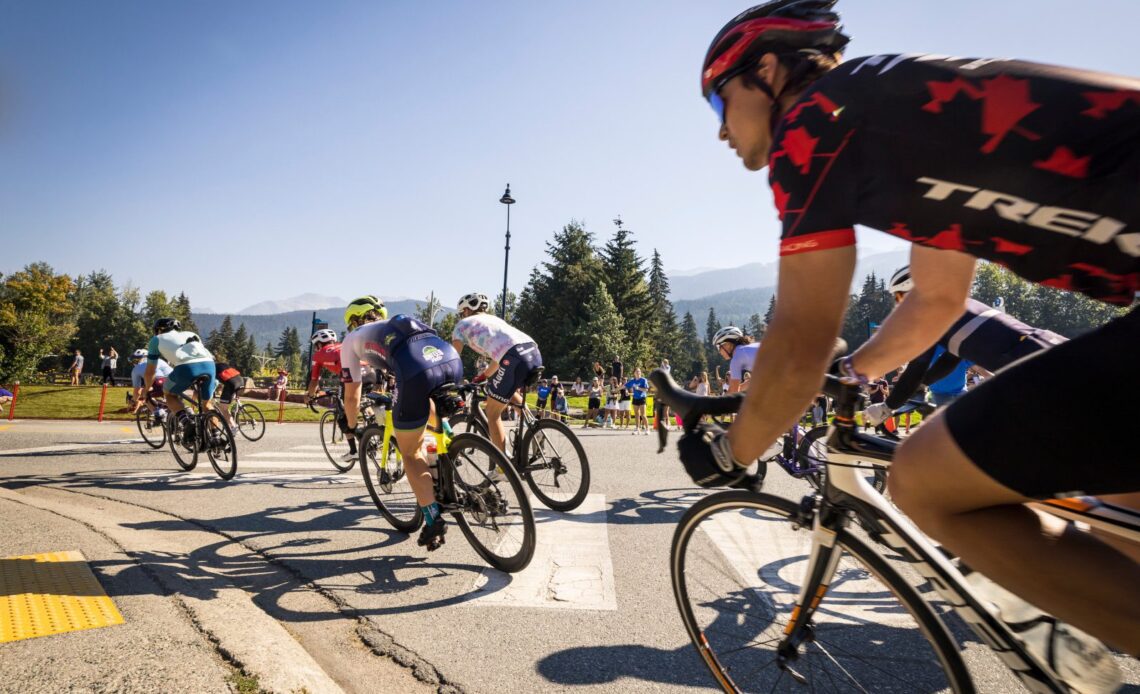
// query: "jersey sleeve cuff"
[[817, 241]]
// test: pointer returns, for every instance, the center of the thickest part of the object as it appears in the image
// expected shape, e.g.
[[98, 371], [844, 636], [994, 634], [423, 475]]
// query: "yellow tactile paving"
[[51, 593]]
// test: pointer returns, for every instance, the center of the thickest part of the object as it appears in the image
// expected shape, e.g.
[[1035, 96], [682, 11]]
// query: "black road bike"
[[202, 430], [472, 480], [545, 452]]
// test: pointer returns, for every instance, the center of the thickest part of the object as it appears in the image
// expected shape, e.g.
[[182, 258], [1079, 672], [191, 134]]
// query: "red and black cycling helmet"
[[779, 26]]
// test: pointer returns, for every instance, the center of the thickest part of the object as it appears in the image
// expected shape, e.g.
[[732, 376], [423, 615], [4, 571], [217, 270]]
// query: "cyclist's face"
[[747, 112]]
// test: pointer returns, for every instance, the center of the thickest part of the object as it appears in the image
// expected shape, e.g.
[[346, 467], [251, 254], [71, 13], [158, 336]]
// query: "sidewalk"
[[191, 622]]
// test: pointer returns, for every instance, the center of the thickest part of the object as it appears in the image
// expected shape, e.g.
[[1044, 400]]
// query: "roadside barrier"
[[102, 402]]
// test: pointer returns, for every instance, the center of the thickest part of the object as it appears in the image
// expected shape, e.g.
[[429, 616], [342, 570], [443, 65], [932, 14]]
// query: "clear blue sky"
[[363, 146]]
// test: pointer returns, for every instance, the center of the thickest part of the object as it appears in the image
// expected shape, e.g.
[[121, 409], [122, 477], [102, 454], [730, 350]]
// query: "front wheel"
[[555, 465], [151, 428], [182, 433], [334, 442], [220, 446], [739, 562], [250, 422], [493, 510], [387, 481]]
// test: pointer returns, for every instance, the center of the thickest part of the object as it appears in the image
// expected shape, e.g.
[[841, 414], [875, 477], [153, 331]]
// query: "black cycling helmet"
[[779, 26], [165, 325]]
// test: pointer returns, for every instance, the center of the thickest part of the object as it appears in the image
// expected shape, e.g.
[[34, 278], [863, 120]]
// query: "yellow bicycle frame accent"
[[442, 438]]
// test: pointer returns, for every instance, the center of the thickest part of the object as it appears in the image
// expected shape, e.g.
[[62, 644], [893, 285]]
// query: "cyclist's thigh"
[[1047, 426]]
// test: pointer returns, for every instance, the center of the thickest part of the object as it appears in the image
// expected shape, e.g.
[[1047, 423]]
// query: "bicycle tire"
[[334, 442], [153, 433], [544, 462], [398, 506], [810, 449], [727, 573], [509, 544], [186, 457], [467, 423], [250, 422], [221, 448]]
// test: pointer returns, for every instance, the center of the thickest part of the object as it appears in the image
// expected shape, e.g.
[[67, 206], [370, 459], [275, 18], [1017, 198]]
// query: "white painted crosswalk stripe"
[[571, 568], [287, 454]]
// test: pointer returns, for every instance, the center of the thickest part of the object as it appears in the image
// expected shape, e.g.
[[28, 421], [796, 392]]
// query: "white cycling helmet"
[[901, 281], [729, 333], [474, 302], [324, 336], [138, 354]]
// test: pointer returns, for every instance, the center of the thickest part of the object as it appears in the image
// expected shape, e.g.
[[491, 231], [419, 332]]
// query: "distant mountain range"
[[268, 327], [303, 302]]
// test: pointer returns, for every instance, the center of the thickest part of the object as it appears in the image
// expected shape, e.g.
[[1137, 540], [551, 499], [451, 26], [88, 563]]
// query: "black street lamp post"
[[508, 201]]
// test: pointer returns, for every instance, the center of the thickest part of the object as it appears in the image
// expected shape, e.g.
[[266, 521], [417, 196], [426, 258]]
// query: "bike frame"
[[847, 492]]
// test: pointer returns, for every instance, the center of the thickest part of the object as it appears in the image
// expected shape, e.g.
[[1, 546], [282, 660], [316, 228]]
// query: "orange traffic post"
[[12, 405], [102, 402]]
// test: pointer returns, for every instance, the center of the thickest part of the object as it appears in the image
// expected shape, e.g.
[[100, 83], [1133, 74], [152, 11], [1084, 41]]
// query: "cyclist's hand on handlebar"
[[479, 378], [707, 456]]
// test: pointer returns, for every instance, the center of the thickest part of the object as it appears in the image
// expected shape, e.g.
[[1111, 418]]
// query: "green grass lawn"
[[82, 402]]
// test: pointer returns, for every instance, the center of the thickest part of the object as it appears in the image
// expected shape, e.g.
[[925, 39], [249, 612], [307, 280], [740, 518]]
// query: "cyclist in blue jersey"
[[1028, 165], [542, 395], [638, 386], [740, 351], [140, 396], [983, 335], [421, 361]]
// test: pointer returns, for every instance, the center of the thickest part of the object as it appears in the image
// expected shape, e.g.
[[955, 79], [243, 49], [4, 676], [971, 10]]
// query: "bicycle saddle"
[[446, 399], [534, 376]]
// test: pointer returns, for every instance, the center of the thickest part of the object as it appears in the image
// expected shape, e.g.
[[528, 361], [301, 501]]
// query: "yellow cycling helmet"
[[358, 307]]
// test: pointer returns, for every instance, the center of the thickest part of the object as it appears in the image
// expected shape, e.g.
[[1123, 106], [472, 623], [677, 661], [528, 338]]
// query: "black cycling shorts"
[[594, 404], [411, 404], [514, 368], [235, 385], [1057, 423]]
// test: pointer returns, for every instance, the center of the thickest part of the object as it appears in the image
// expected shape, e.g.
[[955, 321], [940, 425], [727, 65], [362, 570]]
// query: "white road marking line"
[[64, 447], [571, 568], [285, 454], [286, 464]]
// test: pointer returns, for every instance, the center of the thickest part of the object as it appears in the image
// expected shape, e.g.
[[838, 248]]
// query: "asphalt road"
[[289, 573]]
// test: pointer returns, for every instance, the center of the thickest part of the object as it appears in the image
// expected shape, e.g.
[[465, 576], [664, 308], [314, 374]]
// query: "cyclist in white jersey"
[[740, 349], [512, 353], [184, 351]]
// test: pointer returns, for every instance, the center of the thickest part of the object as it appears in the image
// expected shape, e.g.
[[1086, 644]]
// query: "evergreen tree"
[[512, 306], [223, 344], [756, 326], [867, 309], [289, 344], [156, 306], [771, 312], [624, 275], [429, 311], [692, 350], [664, 333], [601, 333], [712, 354], [242, 350], [553, 302], [181, 310]]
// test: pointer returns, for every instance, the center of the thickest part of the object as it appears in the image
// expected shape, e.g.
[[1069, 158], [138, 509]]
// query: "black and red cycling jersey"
[[1030, 166]]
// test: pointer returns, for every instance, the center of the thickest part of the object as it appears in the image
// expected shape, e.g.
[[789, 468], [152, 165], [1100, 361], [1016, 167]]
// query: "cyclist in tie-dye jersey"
[[512, 353]]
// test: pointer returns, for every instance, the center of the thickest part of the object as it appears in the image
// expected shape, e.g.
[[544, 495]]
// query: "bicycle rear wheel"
[[220, 446], [334, 442], [466, 423], [494, 512], [738, 564], [250, 421], [813, 450], [153, 432], [182, 434], [555, 465], [387, 482]]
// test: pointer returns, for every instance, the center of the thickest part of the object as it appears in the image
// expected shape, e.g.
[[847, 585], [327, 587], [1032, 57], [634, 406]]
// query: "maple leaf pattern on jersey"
[[1005, 103], [1103, 103], [1063, 161]]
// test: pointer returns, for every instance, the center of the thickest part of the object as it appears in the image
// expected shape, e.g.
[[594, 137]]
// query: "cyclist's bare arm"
[[812, 297], [148, 375], [942, 281]]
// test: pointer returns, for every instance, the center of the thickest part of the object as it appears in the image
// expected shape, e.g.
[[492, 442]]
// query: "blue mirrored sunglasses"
[[717, 104]]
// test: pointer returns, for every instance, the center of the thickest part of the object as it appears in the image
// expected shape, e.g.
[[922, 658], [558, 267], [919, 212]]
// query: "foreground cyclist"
[[512, 353], [1027, 165], [422, 362]]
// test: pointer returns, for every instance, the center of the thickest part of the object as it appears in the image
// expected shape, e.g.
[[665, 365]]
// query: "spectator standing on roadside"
[[638, 388], [578, 388], [600, 373], [76, 368], [594, 403], [617, 370], [612, 415], [561, 409], [624, 409], [702, 388], [280, 387], [542, 394], [110, 361], [877, 392]]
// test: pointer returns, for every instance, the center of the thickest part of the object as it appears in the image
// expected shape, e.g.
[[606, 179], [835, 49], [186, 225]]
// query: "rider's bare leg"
[[1069, 573], [495, 427], [411, 445]]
